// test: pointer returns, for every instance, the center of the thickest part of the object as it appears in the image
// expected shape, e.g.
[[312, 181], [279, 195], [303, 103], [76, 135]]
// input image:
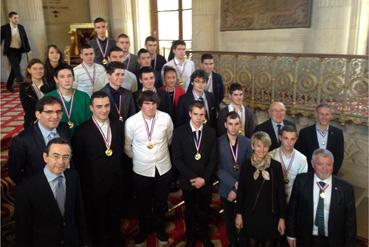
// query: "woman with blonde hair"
[[261, 203]]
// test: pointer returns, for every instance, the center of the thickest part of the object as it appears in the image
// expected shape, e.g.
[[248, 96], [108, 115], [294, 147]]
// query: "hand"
[[238, 221], [231, 196], [291, 242], [281, 226], [197, 182]]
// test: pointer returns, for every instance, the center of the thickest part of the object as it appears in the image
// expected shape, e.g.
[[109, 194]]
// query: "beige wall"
[[338, 27]]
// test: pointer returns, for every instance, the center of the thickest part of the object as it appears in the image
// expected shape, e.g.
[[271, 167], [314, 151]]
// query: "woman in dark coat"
[[54, 58], [261, 202]]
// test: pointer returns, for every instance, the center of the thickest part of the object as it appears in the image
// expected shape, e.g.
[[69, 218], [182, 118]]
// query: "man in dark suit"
[[322, 207], [322, 135], [48, 206], [157, 60], [277, 114], [129, 59], [25, 152], [16, 43], [245, 113], [121, 100], [144, 60], [198, 93], [195, 156], [147, 80], [214, 83], [98, 150]]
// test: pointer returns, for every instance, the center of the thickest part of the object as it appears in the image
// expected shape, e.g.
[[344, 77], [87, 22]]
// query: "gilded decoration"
[[301, 81], [264, 14]]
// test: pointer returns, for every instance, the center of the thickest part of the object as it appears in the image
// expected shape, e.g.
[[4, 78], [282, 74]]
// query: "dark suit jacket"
[[98, 172], [98, 55], [342, 213], [165, 105], [218, 88], [183, 155], [226, 173], [249, 123], [133, 64], [29, 99], [128, 107], [160, 62], [6, 34], [183, 108], [308, 142], [38, 218], [267, 127], [25, 152]]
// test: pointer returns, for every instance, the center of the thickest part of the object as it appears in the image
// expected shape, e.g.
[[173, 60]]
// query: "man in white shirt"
[[293, 162], [89, 76], [148, 135], [129, 59], [183, 66]]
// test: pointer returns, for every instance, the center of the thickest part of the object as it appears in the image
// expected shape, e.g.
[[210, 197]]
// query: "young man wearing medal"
[[75, 103], [195, 156], [198, 80], [148, 135], [121, 100], [98, 151], [234, 149], [322, 135], [292, 161], [101, 44], [129, 59], [246, 115], [157, 60], [183, 66], [144, 60], [322, 207], [89, 76]]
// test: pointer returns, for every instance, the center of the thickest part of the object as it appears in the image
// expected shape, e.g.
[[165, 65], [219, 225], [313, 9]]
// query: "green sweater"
[[80, 111]]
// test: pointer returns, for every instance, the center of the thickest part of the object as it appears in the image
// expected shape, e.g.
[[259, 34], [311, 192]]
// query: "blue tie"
[[60, 193], [319, 217], [51, 136]]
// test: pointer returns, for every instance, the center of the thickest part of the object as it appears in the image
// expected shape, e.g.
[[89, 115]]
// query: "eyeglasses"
[[58, 156], [50, 112]]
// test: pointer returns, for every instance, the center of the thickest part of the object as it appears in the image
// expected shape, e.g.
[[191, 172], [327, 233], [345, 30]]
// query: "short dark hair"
[[85, 46], [231, 115], [122, 35], [11, 13], [57, 140], [197, 104], [150, 96], [61, 67], [151, 38], [142, 51], [206, 56], [168, 69], [114, 48], [145, 70], [322, 105], [47, 100], [98, 95], [234, 87], [288, 128], [177, 43], [112, 66], [199, 73], [99, 19]]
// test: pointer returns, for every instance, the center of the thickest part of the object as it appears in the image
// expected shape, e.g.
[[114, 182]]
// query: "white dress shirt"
[[327, 203], [82, 80], [145, 160]]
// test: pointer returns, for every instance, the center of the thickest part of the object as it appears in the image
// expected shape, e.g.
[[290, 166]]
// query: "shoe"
[[207, 243]]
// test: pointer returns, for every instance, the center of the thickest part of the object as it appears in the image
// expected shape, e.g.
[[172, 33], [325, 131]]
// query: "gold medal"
[[70, 124], [197, 156], [205, 121], [286, 180], [242, 132], [150, 146], [322, 195], [105, 61], [236, 167], [180, 82], [109, 152]]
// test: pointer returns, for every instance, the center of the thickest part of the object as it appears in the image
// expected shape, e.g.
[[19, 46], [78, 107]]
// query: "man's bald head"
[[277, 111]]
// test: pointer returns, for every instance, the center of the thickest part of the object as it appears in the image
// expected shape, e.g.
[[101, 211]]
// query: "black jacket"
[[6, 36]]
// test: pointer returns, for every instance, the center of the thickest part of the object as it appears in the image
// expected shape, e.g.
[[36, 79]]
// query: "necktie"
[[60, 193], [201, 99], [278, 131], [51, 136], [319, 217]]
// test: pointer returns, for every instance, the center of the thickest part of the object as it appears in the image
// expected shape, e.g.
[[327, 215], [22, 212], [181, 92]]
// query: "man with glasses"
[[48, 206], [25, 152], [272, 126]]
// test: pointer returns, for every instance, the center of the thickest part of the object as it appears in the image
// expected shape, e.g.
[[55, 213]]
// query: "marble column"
[[204, 26], [99, 8]]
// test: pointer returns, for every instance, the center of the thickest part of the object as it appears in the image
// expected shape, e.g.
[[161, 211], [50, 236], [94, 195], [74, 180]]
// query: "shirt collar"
[[13, 26], [275, 123], [327, 180], [193, 127], [197, 96], [144, 89], [45, 131], [179, 62], [231, 107], [50, 176], [318, 128]]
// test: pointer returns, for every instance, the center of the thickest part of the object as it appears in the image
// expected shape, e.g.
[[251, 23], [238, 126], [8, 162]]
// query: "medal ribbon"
[[92, 79], [38, 92], [68, 113], [323, 133], [284, 169], [107, 140], [322, 189], [119, 107], [155, 62], [234, 154], [180, 73], [129, 60], [100, 48], [149, 132], [198, 142]]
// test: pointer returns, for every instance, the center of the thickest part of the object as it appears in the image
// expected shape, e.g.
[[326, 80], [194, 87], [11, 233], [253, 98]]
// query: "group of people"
[[119, 123]]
